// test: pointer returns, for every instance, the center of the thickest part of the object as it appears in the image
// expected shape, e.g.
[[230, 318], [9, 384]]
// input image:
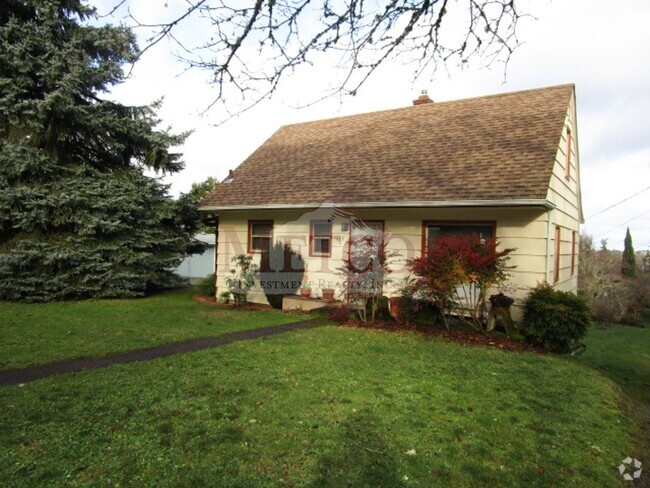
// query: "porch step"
[[300, 303]]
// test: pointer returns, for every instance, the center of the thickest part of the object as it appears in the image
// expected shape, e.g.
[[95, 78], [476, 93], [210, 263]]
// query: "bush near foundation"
[[206, 286], [555, 320], [282, 270]]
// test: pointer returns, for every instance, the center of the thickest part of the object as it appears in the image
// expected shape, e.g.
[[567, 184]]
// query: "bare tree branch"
[[253, 45], [113, 10]]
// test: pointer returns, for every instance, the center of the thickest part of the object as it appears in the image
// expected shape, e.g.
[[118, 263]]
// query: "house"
[[504, 165], [195, 267]]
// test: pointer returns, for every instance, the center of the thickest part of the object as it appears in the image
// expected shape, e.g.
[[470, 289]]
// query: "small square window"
[[260, 235], [320, 238]]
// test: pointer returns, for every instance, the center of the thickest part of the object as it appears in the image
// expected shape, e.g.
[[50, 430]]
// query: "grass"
[[623, 354], [322, 407], [33, 334]]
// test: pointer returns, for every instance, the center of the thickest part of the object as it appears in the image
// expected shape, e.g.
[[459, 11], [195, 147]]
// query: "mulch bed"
[[244, 306], [460, 335]]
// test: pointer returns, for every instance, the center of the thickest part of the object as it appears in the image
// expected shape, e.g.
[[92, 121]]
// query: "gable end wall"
[[564, 193]]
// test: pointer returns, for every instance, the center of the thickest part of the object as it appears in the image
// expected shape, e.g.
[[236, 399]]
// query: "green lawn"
[[32, 334], [623, 354], [329, 406]]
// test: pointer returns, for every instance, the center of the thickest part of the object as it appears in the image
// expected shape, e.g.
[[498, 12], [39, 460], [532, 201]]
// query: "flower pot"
[[305, 292], [328, 294]]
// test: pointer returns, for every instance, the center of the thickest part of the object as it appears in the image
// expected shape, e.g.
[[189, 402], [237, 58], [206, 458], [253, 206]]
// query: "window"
[[363, 234], [260, 235], [434, 230], [361, 229], [556, 268], [569, 143], [320, 238], [573, 253], [372, 228]]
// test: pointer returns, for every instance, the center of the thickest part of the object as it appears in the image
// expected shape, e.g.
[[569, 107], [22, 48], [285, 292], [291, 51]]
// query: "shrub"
[[242, 278], [206, 286], [407, 302], [638, 310], [281, 271], [613, 302], [555, 320], [340, 315], [427, 314], [382, 313]]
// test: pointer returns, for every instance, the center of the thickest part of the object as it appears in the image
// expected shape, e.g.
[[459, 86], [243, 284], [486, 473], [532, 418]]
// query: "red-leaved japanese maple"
[[456, 272]]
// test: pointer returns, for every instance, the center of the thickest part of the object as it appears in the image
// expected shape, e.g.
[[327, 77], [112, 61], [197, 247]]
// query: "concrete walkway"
[[24, 375]]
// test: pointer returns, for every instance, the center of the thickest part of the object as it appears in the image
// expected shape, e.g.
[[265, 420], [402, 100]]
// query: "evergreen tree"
[[78, 217], [188, 205], [629, 257]]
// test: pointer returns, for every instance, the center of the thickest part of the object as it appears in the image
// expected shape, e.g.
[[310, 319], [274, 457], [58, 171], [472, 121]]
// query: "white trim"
[[548, 245], [415, 204]]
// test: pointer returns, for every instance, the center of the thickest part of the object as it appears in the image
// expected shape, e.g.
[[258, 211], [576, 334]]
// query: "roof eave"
[[525, 202]]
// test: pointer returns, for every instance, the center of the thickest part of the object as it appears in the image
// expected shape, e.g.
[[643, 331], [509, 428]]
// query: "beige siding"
[[564, 193], [530, 230], [520, 228]]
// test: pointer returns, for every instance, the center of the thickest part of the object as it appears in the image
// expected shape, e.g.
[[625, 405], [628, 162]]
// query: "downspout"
[[548, 244], [216, 255]]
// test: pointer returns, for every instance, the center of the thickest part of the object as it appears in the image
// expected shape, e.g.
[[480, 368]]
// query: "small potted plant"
[[328, 294], [305, 289]]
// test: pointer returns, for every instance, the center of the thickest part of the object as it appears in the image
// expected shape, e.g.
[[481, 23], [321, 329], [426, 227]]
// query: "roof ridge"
[[445, 102]]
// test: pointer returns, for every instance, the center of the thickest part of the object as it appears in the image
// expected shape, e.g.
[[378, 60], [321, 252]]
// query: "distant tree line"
[[616, 285]]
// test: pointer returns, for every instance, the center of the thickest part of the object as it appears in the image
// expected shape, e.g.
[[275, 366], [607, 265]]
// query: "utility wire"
[[618, 203], [627, 222]]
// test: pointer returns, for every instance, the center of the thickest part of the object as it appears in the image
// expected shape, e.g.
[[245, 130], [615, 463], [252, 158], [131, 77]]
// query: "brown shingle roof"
[[499, 147]]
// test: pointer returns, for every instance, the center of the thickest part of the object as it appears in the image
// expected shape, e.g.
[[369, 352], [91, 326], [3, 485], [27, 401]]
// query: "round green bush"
[[555, 320], [206, 286]]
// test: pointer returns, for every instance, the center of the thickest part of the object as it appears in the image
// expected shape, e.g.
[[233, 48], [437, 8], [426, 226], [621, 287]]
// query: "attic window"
[[569, 143]]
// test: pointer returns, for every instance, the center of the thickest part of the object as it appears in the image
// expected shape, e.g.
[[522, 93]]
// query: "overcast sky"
[[599, 45]]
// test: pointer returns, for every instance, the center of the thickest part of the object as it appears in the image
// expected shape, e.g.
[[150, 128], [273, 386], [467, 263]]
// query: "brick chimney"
[[422, 99]]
